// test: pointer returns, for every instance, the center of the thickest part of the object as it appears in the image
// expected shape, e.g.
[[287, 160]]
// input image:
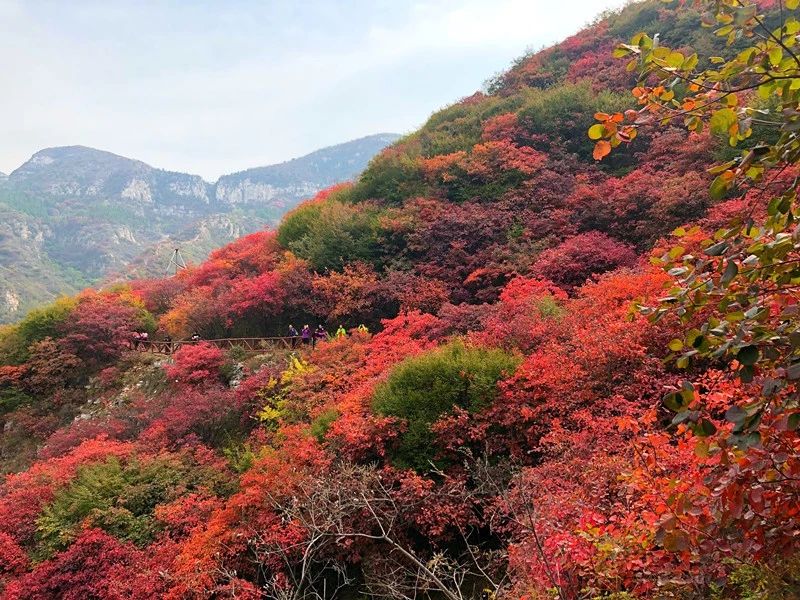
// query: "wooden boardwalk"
[[250, 345]]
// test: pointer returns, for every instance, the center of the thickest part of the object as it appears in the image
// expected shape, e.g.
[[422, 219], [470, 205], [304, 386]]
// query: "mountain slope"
[[511, 426], [95, 213], [75, 173]]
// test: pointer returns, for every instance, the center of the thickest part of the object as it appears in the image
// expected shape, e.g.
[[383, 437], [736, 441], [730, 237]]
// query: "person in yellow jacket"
[[340, 333]]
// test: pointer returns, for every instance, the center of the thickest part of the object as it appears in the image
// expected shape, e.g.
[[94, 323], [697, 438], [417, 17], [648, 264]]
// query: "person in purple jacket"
[[305, 335], [320, 334]]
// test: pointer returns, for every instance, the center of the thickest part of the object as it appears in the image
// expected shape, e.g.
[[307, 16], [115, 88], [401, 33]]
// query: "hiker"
[[305, 335], [137, 338], [341, 333], [320, 334], [144, 336], [363, 329], [293, 335]]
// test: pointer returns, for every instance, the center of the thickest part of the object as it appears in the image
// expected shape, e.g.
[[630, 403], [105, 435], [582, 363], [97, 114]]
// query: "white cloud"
[[213, 88]]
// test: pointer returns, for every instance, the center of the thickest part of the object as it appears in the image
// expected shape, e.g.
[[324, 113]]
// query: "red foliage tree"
[[52, 366], [12, 376], [87, 570], [77, 432], [248, 521], [100, 328], [523, 318], [202, 412], [13, 559], [196, 363], [23, 495], [641, 206], [601, 69], [573, 261], [352, 293], [451, 243], [487, 162], [186, 513], [413, 292], [501, 127], [249, 255], [158, 295], [262, 293]]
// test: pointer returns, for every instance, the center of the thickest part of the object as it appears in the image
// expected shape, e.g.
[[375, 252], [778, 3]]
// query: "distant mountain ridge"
[[75, 172], [72, 215], [323, 167]]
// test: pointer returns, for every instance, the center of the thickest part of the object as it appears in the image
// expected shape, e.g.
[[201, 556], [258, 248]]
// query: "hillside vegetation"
[[578, 379], [75, 216]]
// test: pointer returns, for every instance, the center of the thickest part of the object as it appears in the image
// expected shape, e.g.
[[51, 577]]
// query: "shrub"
[[11, 394], [423, 388], [13, 559], [100, 327], [52, 367], [331, 234], [321, 425], [12, 398], [566, 111], [488, 171], [211, 413], [37, 325], [90, 570], [196, 363], [392, 176], [762, 582], [297, 224], [576, 259], [525, 316], [119, 498], [241, 456]]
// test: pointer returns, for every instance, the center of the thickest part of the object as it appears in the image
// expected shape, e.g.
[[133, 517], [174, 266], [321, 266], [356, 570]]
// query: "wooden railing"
[[251, 345]]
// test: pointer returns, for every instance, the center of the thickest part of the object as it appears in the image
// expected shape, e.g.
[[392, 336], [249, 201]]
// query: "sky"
[[213, 87]]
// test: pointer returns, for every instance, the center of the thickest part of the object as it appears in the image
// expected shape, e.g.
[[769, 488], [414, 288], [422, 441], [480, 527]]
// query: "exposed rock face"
[[10, 301], [138, 190], [72, 216], [254, 192]]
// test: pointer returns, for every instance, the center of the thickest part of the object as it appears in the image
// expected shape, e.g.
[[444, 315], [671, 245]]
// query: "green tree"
[[332, 234], [565, 111], [38, 324], [392, 176], [423, 388]]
